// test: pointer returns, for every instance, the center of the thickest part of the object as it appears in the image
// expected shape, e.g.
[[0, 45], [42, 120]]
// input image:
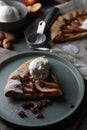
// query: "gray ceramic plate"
[[72, 86]]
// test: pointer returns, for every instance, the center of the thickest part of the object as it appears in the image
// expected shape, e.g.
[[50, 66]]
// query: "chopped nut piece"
[[39, 115], [6, 44], [34, 110], [21, 113], [27, 105], [42, 103], [72, 105]]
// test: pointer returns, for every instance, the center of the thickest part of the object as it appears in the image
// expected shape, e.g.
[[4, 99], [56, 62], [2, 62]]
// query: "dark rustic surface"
[[4, 53], [77, 121]]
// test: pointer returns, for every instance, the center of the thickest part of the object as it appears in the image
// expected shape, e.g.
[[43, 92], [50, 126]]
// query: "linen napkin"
[[79, 61]]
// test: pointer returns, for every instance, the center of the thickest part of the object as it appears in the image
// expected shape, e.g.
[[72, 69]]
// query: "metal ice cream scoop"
[[37, 38]]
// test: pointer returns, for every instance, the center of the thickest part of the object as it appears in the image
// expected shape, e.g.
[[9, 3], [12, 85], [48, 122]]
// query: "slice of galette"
[[33, 79], [69, 26]]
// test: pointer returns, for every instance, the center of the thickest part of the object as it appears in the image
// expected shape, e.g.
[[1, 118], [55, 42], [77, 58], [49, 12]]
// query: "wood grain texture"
[[5, 53]]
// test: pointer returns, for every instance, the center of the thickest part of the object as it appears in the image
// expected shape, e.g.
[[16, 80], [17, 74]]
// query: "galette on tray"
[[68, 27], [33, 79]]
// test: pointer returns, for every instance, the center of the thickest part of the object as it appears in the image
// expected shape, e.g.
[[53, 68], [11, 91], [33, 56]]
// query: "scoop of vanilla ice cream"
[[8, 14], [2, 3], [39, 68]]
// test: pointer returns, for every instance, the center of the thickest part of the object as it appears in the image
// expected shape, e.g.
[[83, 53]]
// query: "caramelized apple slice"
[[46, 89], [49, 84]]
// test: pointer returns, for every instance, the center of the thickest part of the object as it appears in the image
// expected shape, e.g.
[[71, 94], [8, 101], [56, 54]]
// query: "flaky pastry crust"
[[67, 27]]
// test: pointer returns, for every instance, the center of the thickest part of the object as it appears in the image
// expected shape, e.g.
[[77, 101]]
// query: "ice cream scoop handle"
[[52, 14]]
